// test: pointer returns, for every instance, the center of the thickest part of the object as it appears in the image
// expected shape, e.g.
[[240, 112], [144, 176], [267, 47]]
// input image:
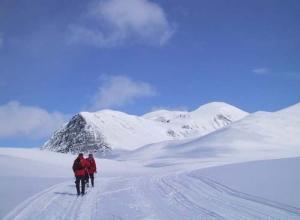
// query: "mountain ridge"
[[109, 129], [260, 135]]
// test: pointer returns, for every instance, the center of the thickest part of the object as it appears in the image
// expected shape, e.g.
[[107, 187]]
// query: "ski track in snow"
[[173, 196]]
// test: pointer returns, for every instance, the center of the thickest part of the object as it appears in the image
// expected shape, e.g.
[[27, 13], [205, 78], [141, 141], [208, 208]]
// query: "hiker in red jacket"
[[86, 172], [92, 168], [79, 167]]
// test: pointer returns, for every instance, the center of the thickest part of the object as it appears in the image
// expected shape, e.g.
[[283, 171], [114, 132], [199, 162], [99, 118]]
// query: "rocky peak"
[[77, 136]]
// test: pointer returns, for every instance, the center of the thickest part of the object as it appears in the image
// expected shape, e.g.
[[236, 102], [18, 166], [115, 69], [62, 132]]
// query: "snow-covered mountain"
[[205, 119], [261, 135], [106, 129]]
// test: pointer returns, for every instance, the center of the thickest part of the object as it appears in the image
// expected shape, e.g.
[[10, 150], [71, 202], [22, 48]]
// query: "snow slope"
[[122, 131], [149, 193], [275, 180], [261, 135]]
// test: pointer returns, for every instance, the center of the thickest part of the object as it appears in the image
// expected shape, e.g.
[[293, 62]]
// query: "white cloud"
[[117, 91], [112, 23], [18, 120], [261, 71]]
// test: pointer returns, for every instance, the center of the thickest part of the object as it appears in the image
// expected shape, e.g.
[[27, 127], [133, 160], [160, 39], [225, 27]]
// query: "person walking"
[[87, 175], [92, 168], [79, 167]]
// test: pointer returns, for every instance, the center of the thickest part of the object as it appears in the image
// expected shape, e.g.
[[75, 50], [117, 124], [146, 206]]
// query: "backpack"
[[77, 165]]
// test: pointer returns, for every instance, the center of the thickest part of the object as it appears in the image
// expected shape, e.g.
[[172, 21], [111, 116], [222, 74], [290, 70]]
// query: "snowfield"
[[246, 170], [126, 190]]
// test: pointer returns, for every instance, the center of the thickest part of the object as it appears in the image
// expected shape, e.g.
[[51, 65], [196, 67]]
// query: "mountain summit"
[[107, 129]]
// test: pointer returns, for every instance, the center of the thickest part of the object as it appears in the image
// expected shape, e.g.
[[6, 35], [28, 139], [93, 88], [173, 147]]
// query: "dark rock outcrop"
[[77, 136]]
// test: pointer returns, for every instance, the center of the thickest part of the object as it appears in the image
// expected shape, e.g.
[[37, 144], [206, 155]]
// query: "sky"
[[61, 57]]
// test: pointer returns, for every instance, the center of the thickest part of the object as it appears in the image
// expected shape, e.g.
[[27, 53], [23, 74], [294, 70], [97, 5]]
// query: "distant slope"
[[260, 135], [205, 119], [106, 129]]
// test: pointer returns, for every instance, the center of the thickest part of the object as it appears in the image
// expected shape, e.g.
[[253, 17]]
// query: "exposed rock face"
[[77, 136]]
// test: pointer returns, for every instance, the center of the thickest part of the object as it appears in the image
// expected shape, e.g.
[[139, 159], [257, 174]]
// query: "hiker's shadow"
[[65, 193]]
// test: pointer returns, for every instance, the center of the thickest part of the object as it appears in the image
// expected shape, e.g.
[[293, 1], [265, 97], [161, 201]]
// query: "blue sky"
[[60, 57]]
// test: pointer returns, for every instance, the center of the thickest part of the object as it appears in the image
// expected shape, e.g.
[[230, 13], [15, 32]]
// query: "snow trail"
[[174, 196]]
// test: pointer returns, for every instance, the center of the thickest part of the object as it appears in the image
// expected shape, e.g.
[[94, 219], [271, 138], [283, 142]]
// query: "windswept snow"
[[165, 198], [160, 195], [126, 190], [275, 180]]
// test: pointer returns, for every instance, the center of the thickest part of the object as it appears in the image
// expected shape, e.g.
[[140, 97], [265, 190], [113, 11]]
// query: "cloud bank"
[[117, 91], [18, 120], [110, 23]]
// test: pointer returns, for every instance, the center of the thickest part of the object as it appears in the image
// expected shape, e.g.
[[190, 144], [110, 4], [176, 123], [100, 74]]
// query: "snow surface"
[[178, 179], [275, 180], [126, 190], [14, 190]]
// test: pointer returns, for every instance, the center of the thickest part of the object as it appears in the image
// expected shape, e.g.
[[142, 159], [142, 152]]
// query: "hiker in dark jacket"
[[79, 167]]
